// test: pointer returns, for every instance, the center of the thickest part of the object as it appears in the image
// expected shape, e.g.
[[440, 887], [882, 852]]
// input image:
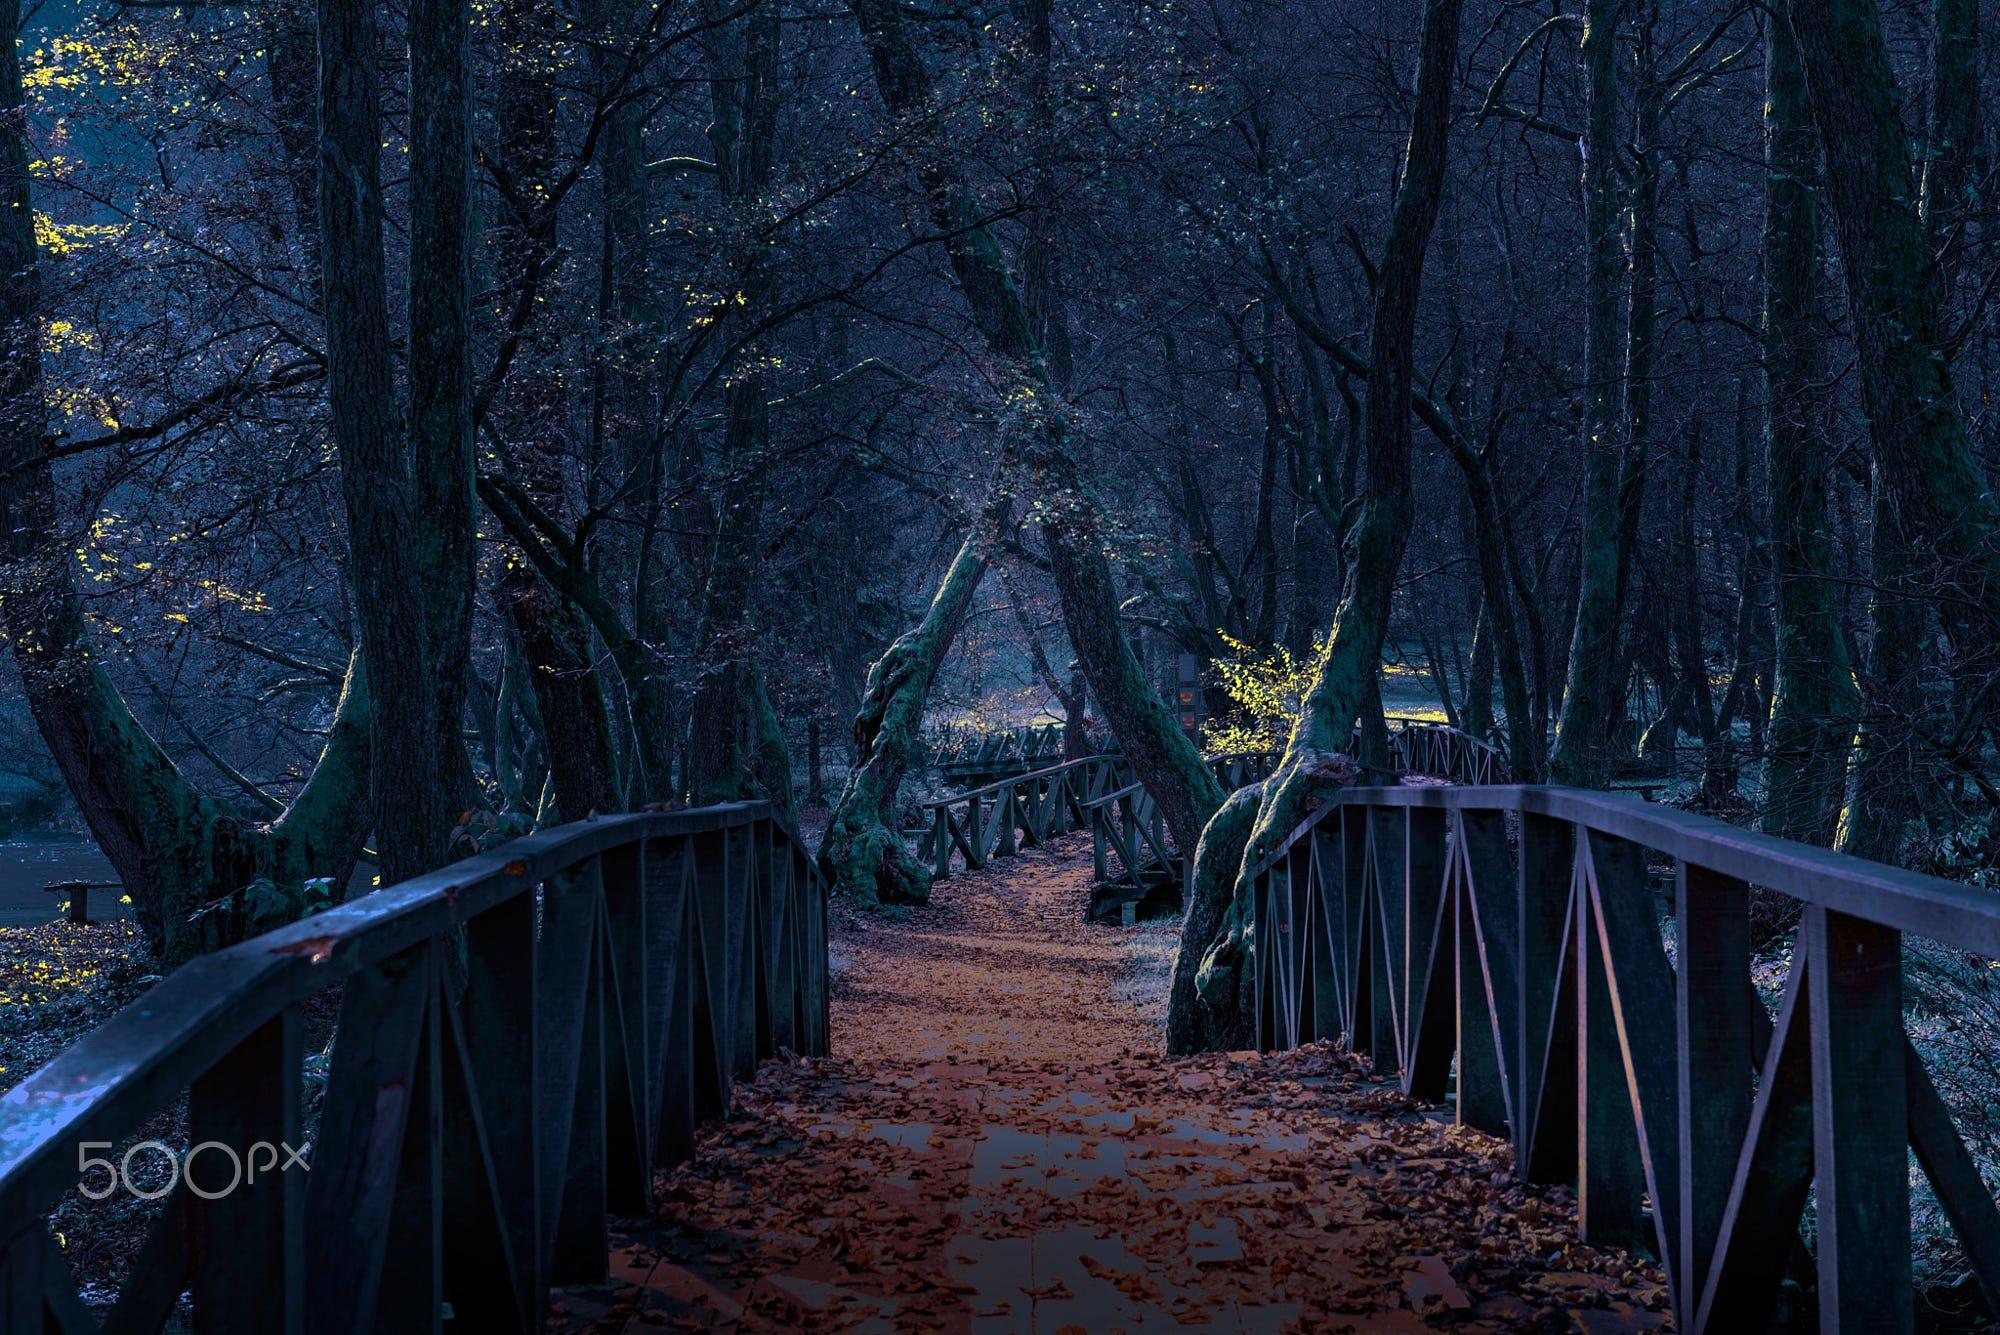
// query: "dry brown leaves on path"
[[1000, 1147]]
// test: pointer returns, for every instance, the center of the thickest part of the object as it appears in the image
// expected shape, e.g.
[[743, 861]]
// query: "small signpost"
[[1187, 695]]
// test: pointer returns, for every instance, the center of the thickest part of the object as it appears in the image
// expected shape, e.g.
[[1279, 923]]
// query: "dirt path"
[[999, 1147]]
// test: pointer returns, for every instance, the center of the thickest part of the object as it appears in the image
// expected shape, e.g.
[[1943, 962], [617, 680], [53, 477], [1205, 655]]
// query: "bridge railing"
[[1000, 819], [1504, 946], [522, 1037], [1132, 858], [984, 757], [1440, 751], [1133, 855], [1240, 769]]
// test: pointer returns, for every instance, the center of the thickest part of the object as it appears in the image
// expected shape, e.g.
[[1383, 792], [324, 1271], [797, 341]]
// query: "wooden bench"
[[79, 896]]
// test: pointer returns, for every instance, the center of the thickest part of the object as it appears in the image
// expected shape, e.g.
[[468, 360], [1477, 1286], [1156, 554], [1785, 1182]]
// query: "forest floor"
[[999, 1146]]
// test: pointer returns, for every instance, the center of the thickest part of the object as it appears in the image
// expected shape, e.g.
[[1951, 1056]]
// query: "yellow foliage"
[[61, 335], [1267, 688], [60, 239]]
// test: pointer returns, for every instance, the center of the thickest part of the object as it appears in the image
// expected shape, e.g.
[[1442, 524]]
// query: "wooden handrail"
[[1909, 901], [1127, 791], [549, 1015], [1503, 946], [998, 785]]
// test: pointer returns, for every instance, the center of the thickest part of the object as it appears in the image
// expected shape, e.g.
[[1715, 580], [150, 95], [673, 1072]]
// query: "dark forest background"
[[556, 408]]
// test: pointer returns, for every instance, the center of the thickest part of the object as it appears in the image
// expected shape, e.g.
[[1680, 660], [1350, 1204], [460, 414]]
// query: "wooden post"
[[1610, 1185], [1547, 854], [1488, 957], [1860, 1125], [247, 1224], [1713, 1060]]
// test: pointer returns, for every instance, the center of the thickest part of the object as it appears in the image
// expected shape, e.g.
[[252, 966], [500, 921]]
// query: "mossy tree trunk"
[[1207, 1010], [1348, 674], [1498, 573], [863, 853], [1813, 698], [1038, 445]]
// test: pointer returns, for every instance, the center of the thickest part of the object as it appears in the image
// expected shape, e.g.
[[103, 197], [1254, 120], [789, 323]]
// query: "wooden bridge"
[[526, 1036], [1139, 874], [977, 757]]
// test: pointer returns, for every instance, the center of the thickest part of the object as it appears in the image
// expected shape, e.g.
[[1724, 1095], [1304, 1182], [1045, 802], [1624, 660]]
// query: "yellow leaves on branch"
[[63, 239], [116, 56], [1267, 688]]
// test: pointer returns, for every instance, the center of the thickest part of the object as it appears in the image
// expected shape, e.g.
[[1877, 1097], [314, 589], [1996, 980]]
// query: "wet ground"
[[1000, 1147]]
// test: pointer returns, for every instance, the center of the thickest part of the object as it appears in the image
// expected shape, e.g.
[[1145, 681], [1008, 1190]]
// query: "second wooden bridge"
[[1138, 873]]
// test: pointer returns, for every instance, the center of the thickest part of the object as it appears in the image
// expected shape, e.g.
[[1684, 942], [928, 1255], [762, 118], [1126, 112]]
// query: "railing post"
[[247, 1263], [413, 1291], [1488, 953], [1545, 1116], [1324, 924], [684, 1057], [745, 886], [1610, 1183], [1385, 937], [628, 1073], [375, 1106], [579, 1240], [1713, 1060], [1128, 846], [1009, 816], [1860, 1124], [502, 1074], [1299, 939], [1100, 865], [1348, 919]]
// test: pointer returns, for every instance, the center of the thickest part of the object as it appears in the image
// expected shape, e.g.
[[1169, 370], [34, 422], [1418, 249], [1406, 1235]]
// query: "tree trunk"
[[1349, 671], [1813, 701], [863, 853], [1047, 313], [414, 811], [440, 368], [1690, 643], [1587, 706], [815, 772], [1954, 118], [1884, 774], [576, 730], [735, 749], [1037, 443], [1934, 508], [1478, 718]]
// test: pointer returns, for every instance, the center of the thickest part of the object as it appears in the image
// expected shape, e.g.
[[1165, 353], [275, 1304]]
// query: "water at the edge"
[[30, 861]]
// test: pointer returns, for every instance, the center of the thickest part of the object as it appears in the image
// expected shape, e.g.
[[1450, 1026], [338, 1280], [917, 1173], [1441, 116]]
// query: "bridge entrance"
[[998, 1145]]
